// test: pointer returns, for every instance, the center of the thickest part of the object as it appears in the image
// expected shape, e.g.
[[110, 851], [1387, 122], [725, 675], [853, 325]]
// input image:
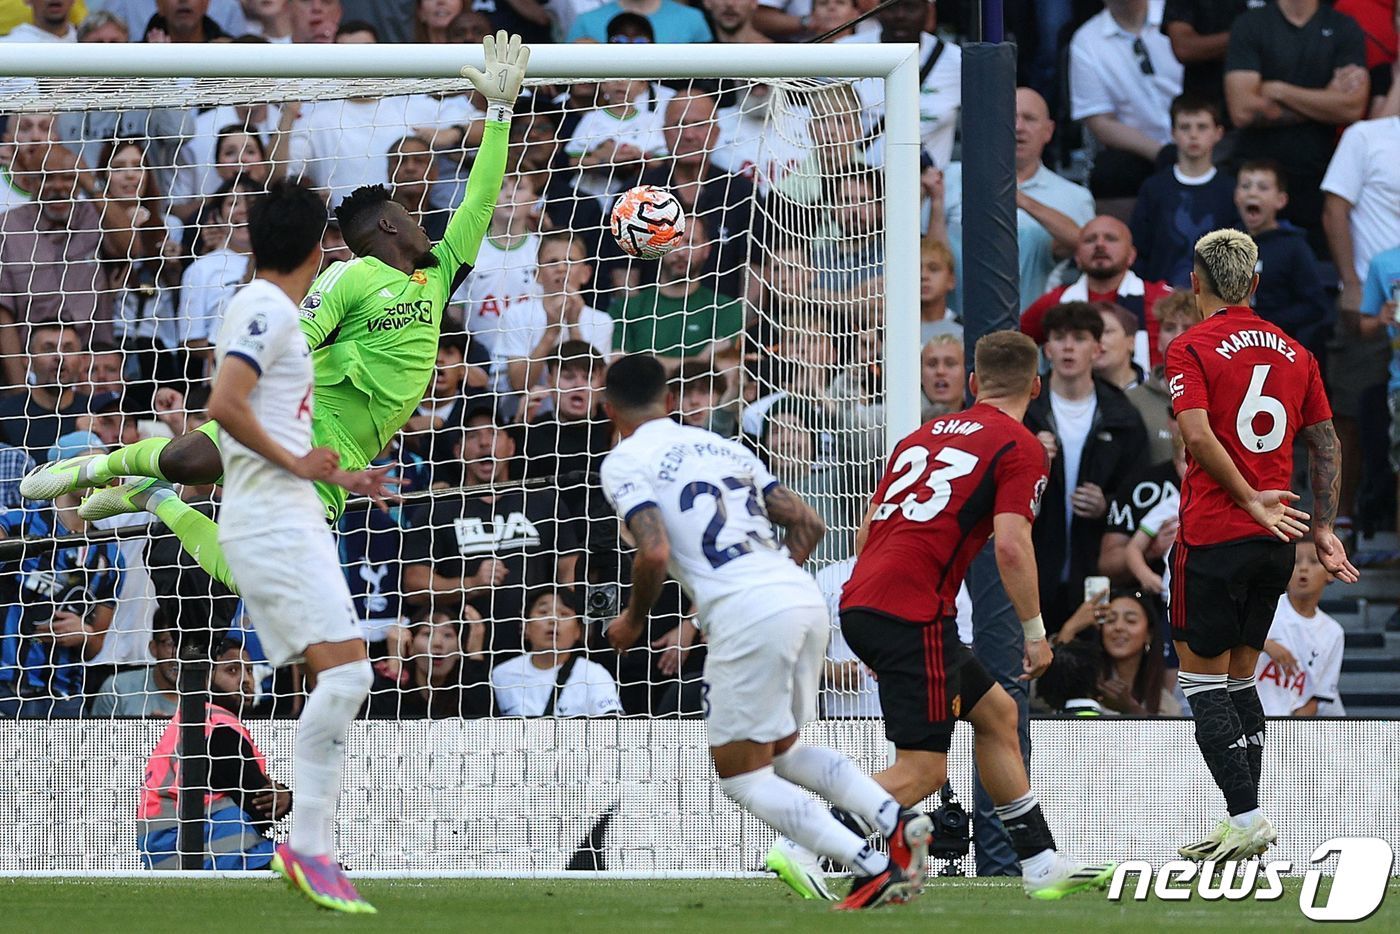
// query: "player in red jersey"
[[949, 486], [1241, 389]]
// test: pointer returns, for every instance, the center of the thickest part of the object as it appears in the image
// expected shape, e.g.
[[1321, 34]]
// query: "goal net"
[[502, 733]]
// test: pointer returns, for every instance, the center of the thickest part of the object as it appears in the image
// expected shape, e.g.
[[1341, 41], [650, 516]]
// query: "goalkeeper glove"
[[504, 72]]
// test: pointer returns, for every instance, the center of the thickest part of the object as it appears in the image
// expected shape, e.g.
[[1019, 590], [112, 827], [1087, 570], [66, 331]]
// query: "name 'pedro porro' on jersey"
[[1258, 387], [934, 509], [709, 491]]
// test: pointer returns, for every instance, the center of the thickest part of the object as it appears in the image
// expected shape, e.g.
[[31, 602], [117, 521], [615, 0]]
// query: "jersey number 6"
[[915, 462], [1256, 403]]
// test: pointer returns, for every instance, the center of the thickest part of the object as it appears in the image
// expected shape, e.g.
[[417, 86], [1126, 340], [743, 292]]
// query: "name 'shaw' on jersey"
[[1259, 388], [934, 508]]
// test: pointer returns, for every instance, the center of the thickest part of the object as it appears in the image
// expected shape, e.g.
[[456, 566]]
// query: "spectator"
[[1104, 255], [937, 278], [48, 403], [553, 679], [487, 549], [1160, 517], [1145, 490], [849, 254], [104, 372], [229, 141], [1199, 31], [271, 19], [14, 466], [1295, 72], [1361, 216], [211, 281], [1115, 361], [679, 318], [670, 21], [1179, 205], [1301, 665], [57, 604], [49, 265], [543, 323], [151, 690], [1378, 314], [412, 174], [940, 80], [1174, 313], [567, 442], [791, 448], [835, 146], [182, 21], [431, 19], [942, 376], [1094, 438], [243, 799], [460, 374], [318, 20], [612, 142], [1122, 78], [52, 23], [1385, 76], [732, 21], [503, 276], [29, 137], [724, 200], [700, 399], [103, 26], [1290, 284], [848, 690], [227, 15], [764, 143], [444, 675], [146, 314], [1132, 675], [1049, 209], [133, 222]]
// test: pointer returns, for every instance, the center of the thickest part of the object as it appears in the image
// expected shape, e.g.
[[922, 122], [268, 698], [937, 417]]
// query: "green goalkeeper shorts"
[[338, 421]]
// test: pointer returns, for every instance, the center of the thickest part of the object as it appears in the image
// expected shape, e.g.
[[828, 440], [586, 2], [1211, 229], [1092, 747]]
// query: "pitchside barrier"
[[538, 797]]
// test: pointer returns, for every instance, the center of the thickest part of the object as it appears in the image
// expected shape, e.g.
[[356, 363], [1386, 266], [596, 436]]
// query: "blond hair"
[[1225, 261], [1006, 364]]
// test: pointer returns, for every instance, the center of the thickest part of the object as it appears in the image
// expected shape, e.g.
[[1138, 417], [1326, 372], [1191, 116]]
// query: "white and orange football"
[[647, 222]]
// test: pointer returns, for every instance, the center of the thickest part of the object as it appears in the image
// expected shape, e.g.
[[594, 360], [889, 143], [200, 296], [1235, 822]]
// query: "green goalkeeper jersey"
[[375, 328]]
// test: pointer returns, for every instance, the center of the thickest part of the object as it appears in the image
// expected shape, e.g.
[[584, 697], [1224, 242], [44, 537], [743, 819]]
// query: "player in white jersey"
[[704, 508], [272, 524]]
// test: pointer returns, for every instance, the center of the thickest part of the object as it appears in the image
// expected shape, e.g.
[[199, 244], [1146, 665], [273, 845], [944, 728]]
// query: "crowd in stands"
[[1140, 125]]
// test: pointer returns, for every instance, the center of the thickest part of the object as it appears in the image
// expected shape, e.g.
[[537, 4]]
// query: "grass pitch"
[[216, 906]]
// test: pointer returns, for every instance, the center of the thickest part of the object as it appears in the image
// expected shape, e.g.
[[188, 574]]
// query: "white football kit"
[[272, 524], [764, 618]]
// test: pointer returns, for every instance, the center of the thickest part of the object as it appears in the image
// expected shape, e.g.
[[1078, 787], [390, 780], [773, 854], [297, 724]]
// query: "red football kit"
[[1259, 387], [935, 505]]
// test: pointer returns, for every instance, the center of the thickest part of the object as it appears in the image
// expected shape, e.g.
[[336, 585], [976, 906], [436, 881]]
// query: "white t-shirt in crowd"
[[724, 550], [195, 175], [641, 128], [1073, 421], [500, 281], [1317, 643], [28, 32], [763, 144], [346, 142], [128, 639], [940, 99], [262, 327], [864, 701], [528, 322], [522, 690], [1365, 171], [1106, 73], [206, 289]]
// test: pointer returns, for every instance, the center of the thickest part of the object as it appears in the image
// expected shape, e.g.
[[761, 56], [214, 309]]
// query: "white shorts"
[[293, 590], [762, 676]]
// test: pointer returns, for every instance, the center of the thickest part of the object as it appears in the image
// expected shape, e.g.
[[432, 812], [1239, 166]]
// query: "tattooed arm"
[[803, 526], [1325, 472], [648, 574]]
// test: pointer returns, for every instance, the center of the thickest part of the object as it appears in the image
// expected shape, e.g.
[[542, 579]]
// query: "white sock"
[[319, 755], [782, 806], [836, 778], [1244, 820], [1039, 865]]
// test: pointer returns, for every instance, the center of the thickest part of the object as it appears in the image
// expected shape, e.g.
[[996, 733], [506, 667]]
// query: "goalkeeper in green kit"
[[372, 325]]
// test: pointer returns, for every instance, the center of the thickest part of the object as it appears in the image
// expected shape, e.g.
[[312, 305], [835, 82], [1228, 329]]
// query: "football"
[[647, 222]]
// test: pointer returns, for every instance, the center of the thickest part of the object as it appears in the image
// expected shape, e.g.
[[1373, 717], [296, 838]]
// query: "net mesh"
[[123, 240]]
